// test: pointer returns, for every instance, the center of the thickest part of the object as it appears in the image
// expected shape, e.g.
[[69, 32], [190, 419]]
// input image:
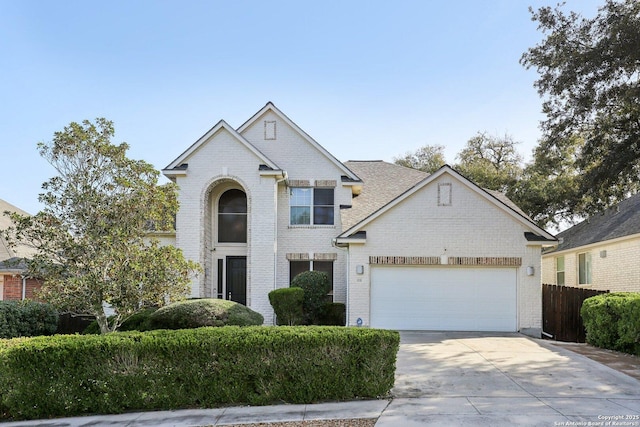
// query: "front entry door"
[[237, 279]]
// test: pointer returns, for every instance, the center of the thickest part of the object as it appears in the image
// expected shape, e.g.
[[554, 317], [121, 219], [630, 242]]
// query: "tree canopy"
[[590, 83], [92, 237], [490, 161], [427, 158]]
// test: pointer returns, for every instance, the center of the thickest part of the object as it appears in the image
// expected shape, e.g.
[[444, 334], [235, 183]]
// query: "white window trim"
[[311, 209], [216, 219], [588, 271], [564, 270]]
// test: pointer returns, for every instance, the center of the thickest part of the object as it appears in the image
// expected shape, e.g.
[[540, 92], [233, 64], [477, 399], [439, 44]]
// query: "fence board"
[[561, 306]]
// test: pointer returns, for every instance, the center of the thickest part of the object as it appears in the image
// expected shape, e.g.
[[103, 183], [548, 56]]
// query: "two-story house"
[[403, 249]]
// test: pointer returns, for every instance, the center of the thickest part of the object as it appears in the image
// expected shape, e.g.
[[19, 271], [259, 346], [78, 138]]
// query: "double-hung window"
[[560, 270], [584, 268], [311, 206]]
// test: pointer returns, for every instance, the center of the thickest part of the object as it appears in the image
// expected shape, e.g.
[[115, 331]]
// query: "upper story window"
[[560, 270], [311, 206], [584, 268], [232, 217]]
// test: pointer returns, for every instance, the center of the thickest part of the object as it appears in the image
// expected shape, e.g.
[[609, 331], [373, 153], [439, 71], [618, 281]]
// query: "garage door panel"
[[426, 298]]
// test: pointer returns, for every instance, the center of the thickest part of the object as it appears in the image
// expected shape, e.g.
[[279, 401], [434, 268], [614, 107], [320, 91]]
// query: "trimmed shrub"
[[67, 375], [287, 304], [27, 319], [316, 286], [333, 314], [136, 322], [197, 313], [613, 321]]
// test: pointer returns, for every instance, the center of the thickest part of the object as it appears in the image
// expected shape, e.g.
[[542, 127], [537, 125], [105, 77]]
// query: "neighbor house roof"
[[7, 252], [618, 221]]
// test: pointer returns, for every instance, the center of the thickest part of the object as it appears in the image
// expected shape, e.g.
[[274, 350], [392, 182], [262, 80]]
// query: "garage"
[[443, 298]]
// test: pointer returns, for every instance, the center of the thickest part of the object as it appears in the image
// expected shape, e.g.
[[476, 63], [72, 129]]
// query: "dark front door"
[[237, 279]]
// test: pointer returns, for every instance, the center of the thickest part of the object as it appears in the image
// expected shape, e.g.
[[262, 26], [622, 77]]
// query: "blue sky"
[[366, 79]]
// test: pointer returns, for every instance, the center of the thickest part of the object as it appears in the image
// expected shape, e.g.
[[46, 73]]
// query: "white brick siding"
[[223, 160], [617, 271], [470, 227]]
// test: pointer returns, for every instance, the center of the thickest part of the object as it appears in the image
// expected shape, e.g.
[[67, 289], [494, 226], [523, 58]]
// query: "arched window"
[[232, 217]]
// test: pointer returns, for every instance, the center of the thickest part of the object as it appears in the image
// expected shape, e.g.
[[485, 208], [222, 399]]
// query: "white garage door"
[[445, 299]]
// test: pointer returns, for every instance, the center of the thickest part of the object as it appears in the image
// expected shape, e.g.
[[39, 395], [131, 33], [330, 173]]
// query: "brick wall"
[[469, 230], [614, 265], [12, 287], [224, 161]]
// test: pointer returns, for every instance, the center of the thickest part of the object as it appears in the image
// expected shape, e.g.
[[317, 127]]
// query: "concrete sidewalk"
[[448, 378], [223, 416]]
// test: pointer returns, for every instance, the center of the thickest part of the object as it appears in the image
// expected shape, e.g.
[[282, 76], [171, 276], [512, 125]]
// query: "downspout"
[[24, 287], [275, 234]]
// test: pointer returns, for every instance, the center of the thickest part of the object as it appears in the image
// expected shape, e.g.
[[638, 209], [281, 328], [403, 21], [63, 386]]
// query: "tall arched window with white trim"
[[232, 217]]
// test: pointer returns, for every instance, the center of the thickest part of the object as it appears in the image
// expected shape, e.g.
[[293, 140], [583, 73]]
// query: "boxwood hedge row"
[[68, 375]]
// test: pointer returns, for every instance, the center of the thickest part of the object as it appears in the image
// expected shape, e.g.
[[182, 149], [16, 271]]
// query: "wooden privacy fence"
[[561, 306]]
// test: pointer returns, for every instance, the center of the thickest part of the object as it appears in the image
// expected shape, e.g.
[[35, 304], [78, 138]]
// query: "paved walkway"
[[449, 379]]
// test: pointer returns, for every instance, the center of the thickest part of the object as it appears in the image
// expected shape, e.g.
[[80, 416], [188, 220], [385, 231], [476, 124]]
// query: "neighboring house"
[[403, 249], [602, 252], [14, 285]]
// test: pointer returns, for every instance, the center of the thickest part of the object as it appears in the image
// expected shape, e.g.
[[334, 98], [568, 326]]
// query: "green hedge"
[[316, 286], [287, 304], [333, 314], [68, 375], [613, 321], [197, 313], [137, 322], [27, 319]]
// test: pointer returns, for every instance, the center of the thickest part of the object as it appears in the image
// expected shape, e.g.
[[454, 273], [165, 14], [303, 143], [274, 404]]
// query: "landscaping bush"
[[27, 319], [287, 304], [333, 314], [67, 375], [316, 286], [613, 321], [137, 322], [203, 312]]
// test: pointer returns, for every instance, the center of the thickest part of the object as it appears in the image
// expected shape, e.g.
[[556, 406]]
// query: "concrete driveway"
[[460, 378]]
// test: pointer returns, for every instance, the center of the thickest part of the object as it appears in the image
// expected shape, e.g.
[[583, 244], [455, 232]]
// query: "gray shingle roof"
[[619, 221], [382, 182]]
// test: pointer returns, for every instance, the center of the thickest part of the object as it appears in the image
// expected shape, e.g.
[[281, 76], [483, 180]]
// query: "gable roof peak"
[[270, 106], [180, 161]]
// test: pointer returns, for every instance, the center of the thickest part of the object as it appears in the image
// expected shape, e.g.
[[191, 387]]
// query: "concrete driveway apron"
[[456, 378]]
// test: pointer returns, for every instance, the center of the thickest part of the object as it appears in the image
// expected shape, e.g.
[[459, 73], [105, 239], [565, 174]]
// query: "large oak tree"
[[590, 83]]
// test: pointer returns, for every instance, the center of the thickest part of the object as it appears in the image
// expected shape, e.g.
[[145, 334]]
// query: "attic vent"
[[444, 194], [269, 130]]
